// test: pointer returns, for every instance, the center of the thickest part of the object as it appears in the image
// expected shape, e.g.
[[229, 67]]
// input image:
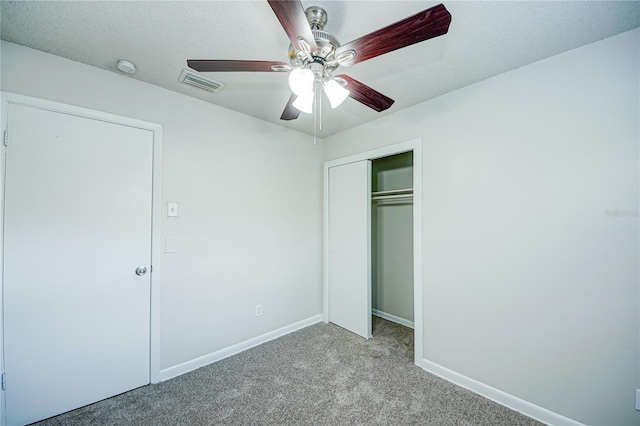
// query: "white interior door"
[[350, 247], [77, 225]]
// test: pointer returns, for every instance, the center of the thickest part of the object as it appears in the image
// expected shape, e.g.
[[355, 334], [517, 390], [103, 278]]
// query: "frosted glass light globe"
[[301, 81], [335, 92], [304, 103]]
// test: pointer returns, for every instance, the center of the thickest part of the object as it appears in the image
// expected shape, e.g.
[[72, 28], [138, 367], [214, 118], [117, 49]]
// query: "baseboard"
[[527, 408], [201, 361], [392, 318]]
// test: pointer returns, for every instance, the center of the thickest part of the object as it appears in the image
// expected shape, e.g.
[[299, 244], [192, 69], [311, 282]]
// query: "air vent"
[[194, 79]]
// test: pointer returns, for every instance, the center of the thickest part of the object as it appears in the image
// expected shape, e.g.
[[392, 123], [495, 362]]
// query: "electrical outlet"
[[638, 399], [258, 310]]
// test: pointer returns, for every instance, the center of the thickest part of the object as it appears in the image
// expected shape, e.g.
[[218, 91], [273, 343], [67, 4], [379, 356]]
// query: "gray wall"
[[530, 228]]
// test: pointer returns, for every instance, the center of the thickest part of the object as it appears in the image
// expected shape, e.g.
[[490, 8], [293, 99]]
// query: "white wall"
[[249, 194], [530, 282]]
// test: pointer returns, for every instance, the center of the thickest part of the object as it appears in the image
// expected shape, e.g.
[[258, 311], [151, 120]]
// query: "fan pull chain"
[[317, 109], [319, 91], [315, 113]]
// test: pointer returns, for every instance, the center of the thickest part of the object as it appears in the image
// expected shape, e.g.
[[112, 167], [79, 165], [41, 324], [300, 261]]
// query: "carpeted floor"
[[321, 375]]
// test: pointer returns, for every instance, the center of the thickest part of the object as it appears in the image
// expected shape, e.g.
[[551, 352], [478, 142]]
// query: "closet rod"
[[391, 197], [407, 191]]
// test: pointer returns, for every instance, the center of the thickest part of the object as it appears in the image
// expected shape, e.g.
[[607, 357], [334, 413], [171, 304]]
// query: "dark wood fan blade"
[[366, 95], [290, 112], [422, 26], [205, 65], [291, 15]]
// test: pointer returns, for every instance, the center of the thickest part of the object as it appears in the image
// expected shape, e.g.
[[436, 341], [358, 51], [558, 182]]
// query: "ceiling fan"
[[315, 54]]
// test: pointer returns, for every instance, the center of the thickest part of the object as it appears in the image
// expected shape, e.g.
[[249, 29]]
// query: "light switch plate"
[[638, 399], [172, 209], [170, 245]]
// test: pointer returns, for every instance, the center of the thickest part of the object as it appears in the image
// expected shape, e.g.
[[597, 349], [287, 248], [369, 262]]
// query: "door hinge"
[[4, 381], [5, 138]]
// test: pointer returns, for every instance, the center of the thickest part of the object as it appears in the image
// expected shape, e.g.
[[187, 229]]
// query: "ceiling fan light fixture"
[[301, 81], [315, 54], [335, 92], [304, 103]]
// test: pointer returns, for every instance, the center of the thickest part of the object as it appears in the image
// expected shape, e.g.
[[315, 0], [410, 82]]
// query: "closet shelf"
[[394, 194]]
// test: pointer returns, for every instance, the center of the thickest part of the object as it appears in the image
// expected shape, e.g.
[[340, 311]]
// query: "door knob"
[[141, 270]]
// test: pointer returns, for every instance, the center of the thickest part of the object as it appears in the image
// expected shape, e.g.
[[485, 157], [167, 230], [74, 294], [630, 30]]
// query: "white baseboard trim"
[[185, 367], [527, 408], [392, 318]]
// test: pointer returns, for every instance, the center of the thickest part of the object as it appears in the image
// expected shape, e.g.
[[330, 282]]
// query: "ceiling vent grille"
[[196, 80]]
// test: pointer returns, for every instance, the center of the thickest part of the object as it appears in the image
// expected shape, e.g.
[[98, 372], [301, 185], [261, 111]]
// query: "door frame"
[[414, 145], [7, 98]]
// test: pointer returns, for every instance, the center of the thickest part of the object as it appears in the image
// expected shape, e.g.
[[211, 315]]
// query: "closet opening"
[[392, 272], [372, 245]]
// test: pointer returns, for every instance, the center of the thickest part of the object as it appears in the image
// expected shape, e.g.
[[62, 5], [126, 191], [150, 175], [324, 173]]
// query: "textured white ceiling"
[[485, 38]]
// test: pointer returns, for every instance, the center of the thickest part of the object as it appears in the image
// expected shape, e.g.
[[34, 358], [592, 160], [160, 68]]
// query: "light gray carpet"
[[321, 375]]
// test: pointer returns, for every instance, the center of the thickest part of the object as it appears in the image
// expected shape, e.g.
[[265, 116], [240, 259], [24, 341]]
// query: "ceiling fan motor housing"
[[326, 42]]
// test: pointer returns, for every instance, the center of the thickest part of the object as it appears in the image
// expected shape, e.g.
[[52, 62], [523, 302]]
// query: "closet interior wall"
[[392, 238]]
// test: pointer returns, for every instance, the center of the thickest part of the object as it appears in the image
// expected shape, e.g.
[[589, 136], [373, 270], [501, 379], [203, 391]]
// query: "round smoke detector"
[[126, 66]]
